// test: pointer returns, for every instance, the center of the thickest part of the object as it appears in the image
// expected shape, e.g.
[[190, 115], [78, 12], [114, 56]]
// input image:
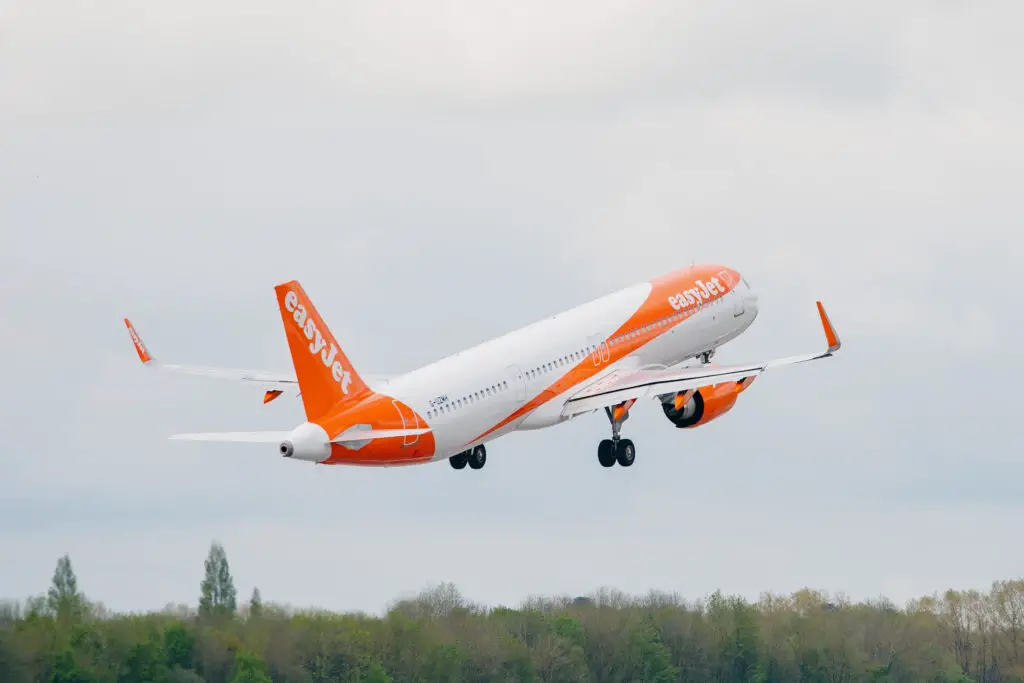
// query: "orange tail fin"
[[325, 375]]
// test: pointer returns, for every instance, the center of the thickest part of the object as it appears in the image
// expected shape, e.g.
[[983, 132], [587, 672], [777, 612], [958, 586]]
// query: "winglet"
[[830, 332], [140, 348]]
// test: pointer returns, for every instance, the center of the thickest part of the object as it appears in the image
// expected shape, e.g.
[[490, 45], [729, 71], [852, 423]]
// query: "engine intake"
[[689, 413], [706, 404]]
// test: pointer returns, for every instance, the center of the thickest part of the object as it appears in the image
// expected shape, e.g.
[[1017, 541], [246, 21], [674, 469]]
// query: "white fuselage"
[[466, 394]]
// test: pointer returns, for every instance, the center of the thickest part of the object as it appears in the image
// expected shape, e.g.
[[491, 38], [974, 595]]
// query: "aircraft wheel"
[[606, 453], [458, 461], [625, 453], [478, 458]]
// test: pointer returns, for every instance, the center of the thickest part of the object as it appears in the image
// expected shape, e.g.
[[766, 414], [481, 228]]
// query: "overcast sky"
[[440, 173]]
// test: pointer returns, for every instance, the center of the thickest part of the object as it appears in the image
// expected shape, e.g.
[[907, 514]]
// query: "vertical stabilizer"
[[325, 375]]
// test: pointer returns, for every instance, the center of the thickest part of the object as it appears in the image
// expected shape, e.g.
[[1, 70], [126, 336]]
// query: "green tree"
[[178, 675], [734, 628], [256, 604], [806, 637], [63, 599], [250, 668], [179, 645], [12, 666], [377, 674], [67, 670], [217, 591], [442, 664], [146, 662], [10, 612]]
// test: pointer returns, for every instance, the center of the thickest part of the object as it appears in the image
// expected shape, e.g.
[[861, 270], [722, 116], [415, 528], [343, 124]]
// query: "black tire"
[[458, 461], [606, 453], [625, 453], [478, 458]]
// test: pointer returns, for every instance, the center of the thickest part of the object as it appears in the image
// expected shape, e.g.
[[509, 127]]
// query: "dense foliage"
[[607, 637]]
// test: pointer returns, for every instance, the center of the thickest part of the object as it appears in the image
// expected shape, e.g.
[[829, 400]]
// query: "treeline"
[[607, 637]]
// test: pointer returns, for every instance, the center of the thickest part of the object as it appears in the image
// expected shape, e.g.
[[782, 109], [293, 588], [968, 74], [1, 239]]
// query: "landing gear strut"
[[707, 356], [475, 457], [617, 449]]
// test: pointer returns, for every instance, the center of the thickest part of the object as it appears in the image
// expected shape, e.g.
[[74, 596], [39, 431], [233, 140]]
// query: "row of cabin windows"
[[469, 399], [663, 322], [575, 356], [578, 356]]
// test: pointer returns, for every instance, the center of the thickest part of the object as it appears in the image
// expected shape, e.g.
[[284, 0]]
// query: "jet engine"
[[694, 408]]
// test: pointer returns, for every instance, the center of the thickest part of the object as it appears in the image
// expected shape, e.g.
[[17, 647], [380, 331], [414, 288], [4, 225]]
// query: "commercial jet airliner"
[[652, 340]]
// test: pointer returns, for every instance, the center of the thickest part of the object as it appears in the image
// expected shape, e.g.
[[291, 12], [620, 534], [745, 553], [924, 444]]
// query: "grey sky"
[[439, 173]]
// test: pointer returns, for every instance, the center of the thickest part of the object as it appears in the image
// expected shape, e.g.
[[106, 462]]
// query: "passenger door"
[[517, 384], [599, 352], [410, 420]]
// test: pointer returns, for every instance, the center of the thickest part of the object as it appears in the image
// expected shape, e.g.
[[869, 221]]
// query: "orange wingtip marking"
[[271, 395], [830, 332], [140, 348]]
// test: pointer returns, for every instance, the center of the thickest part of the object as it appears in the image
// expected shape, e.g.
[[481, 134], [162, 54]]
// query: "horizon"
[[599, 596]]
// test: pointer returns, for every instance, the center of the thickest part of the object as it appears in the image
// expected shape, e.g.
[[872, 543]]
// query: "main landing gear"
[[475, 457], [616, 449]]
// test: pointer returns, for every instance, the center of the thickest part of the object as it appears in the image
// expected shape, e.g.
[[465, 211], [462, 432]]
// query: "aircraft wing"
[[273, 383], [625, 385]]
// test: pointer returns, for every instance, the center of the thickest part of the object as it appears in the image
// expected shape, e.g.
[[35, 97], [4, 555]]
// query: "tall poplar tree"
[[63, 599], [217, 591]]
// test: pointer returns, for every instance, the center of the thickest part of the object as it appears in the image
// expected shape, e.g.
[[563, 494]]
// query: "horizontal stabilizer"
[[348, 436], [240, 437]]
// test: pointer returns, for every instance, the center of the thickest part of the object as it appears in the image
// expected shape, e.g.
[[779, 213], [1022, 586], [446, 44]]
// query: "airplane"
[[652, 340]]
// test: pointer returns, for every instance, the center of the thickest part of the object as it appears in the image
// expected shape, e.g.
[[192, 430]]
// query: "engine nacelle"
[[307, 442], [705, 405]]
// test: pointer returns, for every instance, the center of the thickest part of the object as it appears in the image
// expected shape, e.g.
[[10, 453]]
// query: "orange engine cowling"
[[705, 404]]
